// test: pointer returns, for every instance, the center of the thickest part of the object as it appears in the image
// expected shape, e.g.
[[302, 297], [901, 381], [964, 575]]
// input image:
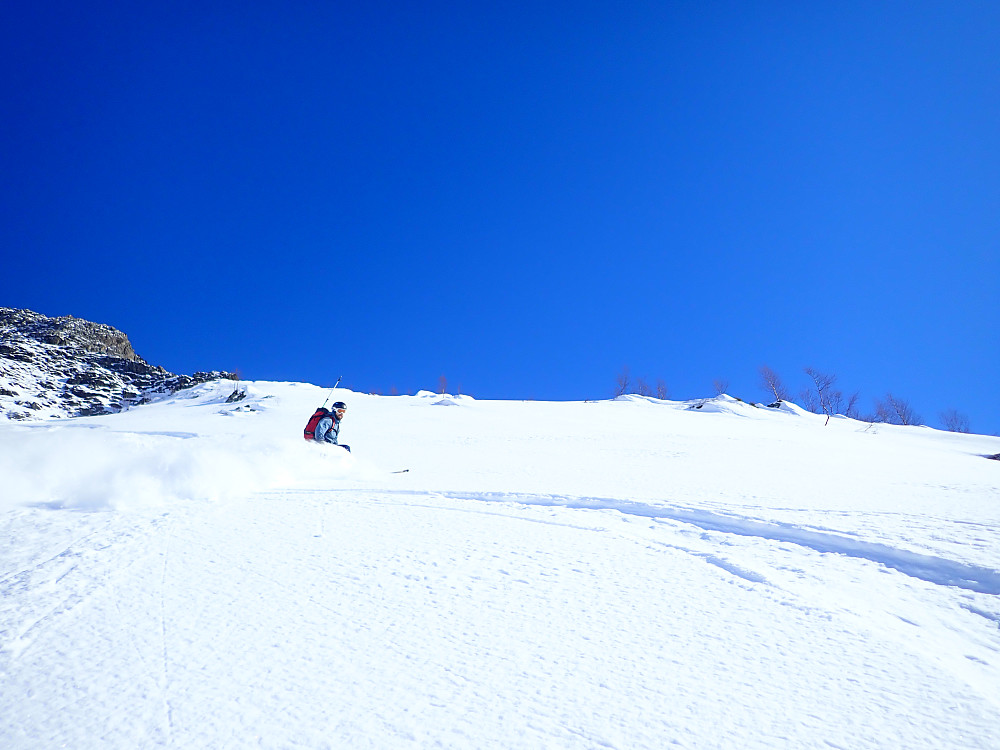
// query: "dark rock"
[[94, 411], [85, 378], [236, 395]]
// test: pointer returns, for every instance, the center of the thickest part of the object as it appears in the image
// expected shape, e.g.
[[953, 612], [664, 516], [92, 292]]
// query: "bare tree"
[[642, 387], [623, 383], [823, 397], [721, 385], [852, 409], [810, 402], [772, 384], [442, 385], [955, 421], [904, 411], [896, 410], [882, 412], [661, 390]]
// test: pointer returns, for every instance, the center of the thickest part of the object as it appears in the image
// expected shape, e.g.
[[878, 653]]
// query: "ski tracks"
[[852, 613], [557, 622], [834, 574], [930, 568], [65, 612], [59, 583], [168, 711], [825, 573]]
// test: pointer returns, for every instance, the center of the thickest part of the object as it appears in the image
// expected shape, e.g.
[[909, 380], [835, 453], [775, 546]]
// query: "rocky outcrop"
[[69, 331], [68, 367]]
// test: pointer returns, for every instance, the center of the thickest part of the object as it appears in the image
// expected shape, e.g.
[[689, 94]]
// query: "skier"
[[328, 426]]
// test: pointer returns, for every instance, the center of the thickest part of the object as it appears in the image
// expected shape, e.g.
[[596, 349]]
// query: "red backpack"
[[309, 433]]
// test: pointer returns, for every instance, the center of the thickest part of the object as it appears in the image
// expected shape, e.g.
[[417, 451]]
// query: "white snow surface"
[[619, 574]]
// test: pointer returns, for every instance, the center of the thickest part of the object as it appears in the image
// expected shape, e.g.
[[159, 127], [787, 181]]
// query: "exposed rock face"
[[68, 367]]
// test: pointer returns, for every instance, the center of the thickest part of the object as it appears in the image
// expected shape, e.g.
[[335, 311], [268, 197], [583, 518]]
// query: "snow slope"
[[625, 574]]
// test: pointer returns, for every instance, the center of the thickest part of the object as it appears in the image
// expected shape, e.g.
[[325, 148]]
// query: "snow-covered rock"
[[68, 367]]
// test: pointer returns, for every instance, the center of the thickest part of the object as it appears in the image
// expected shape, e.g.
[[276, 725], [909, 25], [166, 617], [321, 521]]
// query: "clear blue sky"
[[523, 198]]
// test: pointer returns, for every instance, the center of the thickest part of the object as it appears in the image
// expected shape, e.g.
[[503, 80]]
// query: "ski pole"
[[332, 390]]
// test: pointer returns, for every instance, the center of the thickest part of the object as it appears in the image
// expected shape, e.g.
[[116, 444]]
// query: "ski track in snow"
[[371, 619], [928, 568], [925, 567], [938, 572]]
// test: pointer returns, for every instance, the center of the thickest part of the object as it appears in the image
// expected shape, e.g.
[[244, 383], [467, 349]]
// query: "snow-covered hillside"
[[487, 574]]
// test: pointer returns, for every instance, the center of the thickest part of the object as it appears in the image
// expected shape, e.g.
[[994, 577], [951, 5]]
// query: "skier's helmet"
[[340, 405]]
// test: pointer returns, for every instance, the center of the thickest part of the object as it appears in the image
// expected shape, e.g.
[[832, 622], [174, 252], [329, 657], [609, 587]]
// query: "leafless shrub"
[[810, 401], [955, 421], [642, 387], [894, 410], [661, 390], [721, 386], [904, 411], [622, 383], [823, 398], [851, 409], [883, 413], [819, 399], [442, 385], [772, 384]]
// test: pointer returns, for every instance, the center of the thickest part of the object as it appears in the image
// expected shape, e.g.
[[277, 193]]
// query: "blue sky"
[[523, 198]]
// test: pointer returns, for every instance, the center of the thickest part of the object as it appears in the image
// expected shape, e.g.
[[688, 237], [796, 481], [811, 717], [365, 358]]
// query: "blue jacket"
[[327, 430]]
